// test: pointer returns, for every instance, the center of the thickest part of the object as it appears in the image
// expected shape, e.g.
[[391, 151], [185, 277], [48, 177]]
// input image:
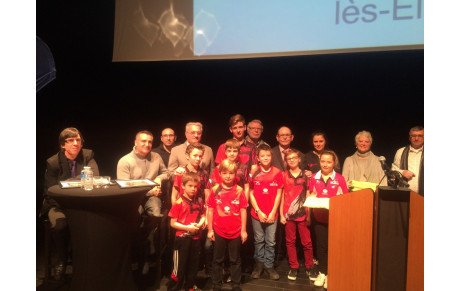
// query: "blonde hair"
[[227, 165]]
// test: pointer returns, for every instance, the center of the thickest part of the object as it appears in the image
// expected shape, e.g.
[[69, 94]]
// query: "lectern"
[[376, 241]]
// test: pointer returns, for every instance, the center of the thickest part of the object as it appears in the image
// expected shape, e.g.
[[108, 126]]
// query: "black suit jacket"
[[58, 169], [277, 158]]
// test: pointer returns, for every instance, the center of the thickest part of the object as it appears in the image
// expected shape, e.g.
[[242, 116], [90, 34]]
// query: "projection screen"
[[158, 30]]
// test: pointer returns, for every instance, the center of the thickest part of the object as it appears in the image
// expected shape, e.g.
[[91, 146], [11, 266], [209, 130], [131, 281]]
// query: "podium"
[[376, 241]]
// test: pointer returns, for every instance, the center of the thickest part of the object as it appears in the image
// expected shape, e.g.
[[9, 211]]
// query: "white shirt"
[[415, 156]]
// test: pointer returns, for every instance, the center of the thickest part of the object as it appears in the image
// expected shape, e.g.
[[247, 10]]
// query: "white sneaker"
[[325, 283], [320, 279]]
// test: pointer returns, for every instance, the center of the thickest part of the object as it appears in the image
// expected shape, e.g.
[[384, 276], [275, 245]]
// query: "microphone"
[[384, 164], [395, 178]]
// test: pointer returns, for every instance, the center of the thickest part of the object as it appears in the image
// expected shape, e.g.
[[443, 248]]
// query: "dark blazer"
[[277, 158], [58, 169]]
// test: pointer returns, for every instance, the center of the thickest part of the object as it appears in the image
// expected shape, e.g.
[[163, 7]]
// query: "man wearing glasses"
[[255, 129], [168, 141], [409, 160], [284, 138], [65, 165]]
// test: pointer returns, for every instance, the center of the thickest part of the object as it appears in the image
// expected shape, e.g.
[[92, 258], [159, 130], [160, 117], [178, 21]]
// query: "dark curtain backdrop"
[[109, 102]]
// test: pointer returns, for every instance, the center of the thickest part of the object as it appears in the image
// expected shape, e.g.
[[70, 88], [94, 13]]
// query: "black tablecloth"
[[102, 223]]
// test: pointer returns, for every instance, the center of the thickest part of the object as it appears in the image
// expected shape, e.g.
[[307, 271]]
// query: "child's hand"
[[244, 236], [192, 228], [271, 218], [308, 173], [282, 219], [179, 171], [211, 235], [262, 216]]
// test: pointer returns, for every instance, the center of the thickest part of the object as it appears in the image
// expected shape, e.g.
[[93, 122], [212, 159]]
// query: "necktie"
[[73, 168]]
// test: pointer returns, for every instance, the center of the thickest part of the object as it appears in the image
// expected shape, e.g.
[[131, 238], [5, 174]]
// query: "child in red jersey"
[[324, 184], [265, 195], [247, 153], [187, 217], [194, 153], [232, 150], [294, 215], [227, 224]]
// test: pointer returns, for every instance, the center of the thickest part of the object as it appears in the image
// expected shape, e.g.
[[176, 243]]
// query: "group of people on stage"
[[248, 199]]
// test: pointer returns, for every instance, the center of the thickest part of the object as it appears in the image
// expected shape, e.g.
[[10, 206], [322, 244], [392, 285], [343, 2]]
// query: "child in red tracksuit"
[[294, 215]]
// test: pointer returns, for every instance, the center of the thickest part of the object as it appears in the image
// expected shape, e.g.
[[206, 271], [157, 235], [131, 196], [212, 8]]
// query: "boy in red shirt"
[[227, 224], [187, 217], [294, 215], [232, 150], [247, 153], [265, 195], [194, 153]]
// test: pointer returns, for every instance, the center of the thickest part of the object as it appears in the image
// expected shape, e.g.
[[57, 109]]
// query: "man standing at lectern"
[[409, 160]]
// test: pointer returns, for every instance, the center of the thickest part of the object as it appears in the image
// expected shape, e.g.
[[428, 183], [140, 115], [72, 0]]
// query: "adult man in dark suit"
[[66, 164], [284, 138], [193, 134]]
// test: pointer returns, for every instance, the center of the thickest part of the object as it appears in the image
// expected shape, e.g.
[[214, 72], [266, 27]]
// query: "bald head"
[[168, 137]]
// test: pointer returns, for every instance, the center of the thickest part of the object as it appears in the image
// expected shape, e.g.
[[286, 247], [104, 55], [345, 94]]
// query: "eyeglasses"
[[73, 140], [284, 135], [416, 135], [291, 159], [255, 128]]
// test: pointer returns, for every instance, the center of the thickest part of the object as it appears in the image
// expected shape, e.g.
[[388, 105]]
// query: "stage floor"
[[154, 281]]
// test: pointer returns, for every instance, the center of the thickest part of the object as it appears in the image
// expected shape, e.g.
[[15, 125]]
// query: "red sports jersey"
[[187, 211], [204, 182], [247, 155], [335, 185], [227, 204], [241, 176], [266, 185], [295, 191]]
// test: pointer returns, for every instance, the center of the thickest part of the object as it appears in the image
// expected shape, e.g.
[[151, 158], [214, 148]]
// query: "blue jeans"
[[264, 242]]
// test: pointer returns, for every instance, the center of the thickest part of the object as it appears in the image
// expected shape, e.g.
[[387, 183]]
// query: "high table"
[[102, 224]]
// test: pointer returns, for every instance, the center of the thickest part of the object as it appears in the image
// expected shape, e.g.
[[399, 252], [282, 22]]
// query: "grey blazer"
[[178, 159]]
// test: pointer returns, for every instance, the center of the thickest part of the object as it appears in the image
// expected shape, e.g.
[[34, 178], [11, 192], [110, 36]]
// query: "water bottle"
[[87, 179], [82, 178]]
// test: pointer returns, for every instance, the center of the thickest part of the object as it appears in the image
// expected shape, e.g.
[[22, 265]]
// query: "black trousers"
[[322, 239], [220, 246], [186, 257]]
